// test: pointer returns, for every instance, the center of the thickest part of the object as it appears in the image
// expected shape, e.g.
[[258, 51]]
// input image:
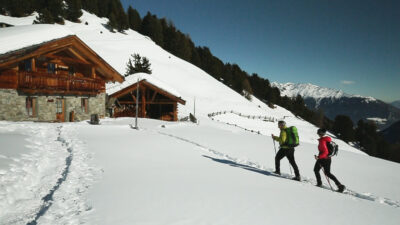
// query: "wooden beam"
[[147, 103], [134, 98], [143, 92], [33, 63], [66, 59], [93, 72], [154, 96]]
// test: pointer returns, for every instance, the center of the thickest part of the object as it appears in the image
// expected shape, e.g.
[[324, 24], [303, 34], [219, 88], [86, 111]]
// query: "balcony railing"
[[40, 82]]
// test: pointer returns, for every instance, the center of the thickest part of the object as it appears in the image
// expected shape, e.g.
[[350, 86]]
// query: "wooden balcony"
[[45, 83]]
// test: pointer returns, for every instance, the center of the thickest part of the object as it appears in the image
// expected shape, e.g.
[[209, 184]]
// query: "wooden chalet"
[[58, 80], [154, 101]]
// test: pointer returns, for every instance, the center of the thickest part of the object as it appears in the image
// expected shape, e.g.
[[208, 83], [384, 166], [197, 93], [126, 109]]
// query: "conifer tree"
[[91, 6], [73, 10], [343, 127], [137, 64], [134, 19], [44, 17], [151, 27], [17, 8], [112, 21]]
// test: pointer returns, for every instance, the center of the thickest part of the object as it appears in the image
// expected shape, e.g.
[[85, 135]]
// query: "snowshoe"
[[341, 188]]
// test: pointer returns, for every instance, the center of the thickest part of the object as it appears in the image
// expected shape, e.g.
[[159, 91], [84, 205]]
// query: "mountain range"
[[336, 102], [396, 104]]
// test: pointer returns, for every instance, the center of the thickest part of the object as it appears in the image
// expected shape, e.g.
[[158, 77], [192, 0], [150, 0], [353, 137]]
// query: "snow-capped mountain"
[[396, 104], [218, 171], [316, 92], [336, 102]]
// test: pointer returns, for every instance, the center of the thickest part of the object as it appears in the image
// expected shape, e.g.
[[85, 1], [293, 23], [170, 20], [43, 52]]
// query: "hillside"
[[396, 104], [336, 102], [392, 133], [218, 171]]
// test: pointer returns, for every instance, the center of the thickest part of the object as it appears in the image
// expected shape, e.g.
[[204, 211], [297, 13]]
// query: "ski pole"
[[274, 144]]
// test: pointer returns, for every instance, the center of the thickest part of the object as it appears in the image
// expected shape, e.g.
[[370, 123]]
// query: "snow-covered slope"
[[218, 171]]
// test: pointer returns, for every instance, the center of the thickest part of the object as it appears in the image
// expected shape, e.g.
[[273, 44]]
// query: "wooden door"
[[60, 110]]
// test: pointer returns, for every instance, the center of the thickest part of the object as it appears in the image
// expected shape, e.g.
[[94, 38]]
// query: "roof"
[[18, 37], [130, 81], [21, 42]]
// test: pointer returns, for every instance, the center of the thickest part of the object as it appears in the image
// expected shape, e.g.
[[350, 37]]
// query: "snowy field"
[[215, 172], [179, 173]]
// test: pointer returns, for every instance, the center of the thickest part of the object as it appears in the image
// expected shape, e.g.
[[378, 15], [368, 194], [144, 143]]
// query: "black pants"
[[289, 153], [326, 164]]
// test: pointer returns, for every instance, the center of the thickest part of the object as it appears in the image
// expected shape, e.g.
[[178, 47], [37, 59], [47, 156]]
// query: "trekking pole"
[[274, 144]]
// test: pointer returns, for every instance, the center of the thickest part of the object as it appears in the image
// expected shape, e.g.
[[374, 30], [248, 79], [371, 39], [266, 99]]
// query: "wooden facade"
[[59, 68], [153, 102], [64, 66]]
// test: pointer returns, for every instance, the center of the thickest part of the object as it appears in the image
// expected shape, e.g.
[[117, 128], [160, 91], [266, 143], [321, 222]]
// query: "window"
[[51, 68], [71, 71], [28, 65], [31, 106], [84, 104], [59, 106]]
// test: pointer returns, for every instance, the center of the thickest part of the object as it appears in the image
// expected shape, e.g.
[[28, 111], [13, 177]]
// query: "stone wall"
[[13, 107]]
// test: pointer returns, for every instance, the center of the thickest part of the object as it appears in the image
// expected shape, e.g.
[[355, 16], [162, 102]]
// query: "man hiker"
[[284, 150], [324, 161]]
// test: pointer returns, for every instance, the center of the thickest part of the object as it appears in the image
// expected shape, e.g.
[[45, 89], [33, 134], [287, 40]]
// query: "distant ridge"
[[336, 102]]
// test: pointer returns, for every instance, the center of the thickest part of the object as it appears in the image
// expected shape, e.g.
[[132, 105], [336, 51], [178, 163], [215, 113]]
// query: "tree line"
[[164, 33]]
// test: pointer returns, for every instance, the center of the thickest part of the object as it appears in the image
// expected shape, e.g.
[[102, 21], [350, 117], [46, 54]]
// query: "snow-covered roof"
[[112, 88], [14, 38]]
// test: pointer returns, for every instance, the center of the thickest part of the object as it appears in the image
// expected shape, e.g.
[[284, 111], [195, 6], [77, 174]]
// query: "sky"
[[351, 45]]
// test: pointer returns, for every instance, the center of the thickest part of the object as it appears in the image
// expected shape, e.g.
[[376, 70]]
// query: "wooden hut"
[[61, 79], [155, 99]]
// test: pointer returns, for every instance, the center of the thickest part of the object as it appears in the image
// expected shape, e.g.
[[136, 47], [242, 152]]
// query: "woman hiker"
[[324, 161]]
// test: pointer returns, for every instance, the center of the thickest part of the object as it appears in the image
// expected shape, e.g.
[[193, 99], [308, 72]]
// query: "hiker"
[[284, 150], [324, 161]]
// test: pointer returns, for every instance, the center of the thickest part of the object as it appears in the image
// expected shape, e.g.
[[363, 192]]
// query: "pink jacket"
[[323, 148]]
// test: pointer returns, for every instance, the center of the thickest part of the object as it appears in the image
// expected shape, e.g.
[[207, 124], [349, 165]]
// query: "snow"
[[14, 38], [112, 88], [313, 91], [218, 171]]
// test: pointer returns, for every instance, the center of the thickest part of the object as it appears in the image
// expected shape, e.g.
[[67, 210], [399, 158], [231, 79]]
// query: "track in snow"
[[48, 199], [255, 167]]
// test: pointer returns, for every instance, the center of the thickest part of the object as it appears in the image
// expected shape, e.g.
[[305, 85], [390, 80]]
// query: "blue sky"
[[351, 45]]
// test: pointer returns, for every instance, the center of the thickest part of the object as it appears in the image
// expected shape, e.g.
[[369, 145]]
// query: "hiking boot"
[[296, 178], [318, 185], [341, 188], [277, 172]]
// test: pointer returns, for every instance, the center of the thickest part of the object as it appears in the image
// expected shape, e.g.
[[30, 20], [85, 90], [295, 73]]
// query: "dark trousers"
[[326, 164], [289, 153]]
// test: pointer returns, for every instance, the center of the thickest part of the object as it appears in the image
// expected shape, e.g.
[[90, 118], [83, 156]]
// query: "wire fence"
[[263, 118]]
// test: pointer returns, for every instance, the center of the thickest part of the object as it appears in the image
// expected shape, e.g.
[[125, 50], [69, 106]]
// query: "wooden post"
[[175, 111], [33, 65], [143, 102], [93, 72]]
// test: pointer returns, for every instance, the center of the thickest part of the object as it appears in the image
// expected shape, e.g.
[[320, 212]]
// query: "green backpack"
[[292, 139]]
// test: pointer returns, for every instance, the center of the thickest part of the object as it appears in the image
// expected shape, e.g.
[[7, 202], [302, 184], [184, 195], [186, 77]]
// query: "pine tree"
[[17, 8], [139, 65], [134, 19], [44, 17], [73, 11], [91, 6], [151, 27], [343, 127], [112, 21]]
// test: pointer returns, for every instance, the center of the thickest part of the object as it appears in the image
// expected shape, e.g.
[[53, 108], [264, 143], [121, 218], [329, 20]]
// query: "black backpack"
[[333, 148]]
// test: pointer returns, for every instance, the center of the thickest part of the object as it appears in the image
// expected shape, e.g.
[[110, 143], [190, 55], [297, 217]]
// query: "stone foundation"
[[13, 107]]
